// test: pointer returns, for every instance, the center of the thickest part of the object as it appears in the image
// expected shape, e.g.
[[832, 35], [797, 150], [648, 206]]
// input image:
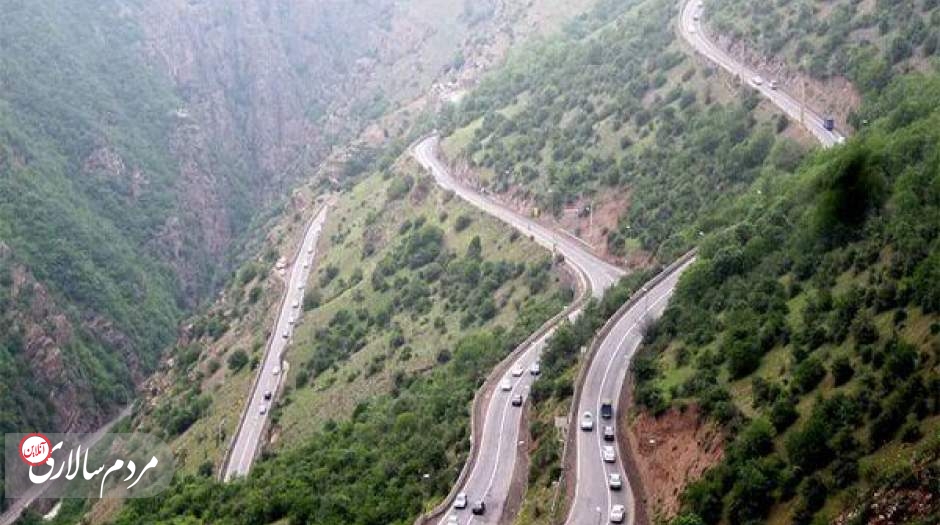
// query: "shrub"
[[462, 223], [808, 374], [237, 360]]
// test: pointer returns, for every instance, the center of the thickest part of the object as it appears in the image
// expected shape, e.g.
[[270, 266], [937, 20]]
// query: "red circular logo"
[[35, 449]]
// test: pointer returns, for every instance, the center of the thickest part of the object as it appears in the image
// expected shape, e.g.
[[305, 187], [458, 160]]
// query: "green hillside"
[[865, 41], [818, 313], [79, 231], [616, 106]]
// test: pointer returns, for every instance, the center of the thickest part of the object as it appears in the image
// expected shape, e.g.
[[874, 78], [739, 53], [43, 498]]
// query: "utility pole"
[[591, 220]]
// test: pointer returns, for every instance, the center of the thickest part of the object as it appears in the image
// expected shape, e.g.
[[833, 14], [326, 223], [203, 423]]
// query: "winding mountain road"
[[604, 380], [491, 474], [247, 440], [691, 30]]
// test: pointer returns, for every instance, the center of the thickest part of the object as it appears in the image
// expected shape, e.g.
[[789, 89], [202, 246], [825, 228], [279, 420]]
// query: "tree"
[[808, 374], [237, 360], [475, 249], [808, 447]]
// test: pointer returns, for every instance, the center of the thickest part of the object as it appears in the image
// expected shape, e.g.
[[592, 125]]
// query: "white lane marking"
[[536, 346], [616, 356]]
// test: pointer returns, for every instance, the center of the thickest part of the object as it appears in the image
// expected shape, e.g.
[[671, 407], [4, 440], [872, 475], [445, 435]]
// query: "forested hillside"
[[417, 299], [144, 145], [817, 311], [615, 111], [866, 42], [138, 143]]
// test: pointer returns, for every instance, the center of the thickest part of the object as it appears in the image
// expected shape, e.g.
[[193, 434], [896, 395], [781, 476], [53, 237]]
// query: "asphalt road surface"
[[600, 273], [604, 381], [248, 440], [690, 27], [489, 479]]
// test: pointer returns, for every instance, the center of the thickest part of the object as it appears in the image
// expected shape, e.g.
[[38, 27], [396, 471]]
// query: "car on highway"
[[617, 512], [757, 81], [607, 409], [301, 286], [506, 385], [296, 304], [773, 85], [609, 433], [587, 422], [276, 371], [608, 453], [535, 369], [286, 334], [615, 481], [306, 265], [517, 400], [452, 520], [479, 508], [263, 410], [267, 395], [517, 371], [460, 502]]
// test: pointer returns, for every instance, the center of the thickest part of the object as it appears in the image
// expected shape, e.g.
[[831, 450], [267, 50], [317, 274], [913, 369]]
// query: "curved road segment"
[[248, 439], [491, 474], [690, 27], [604, 380]]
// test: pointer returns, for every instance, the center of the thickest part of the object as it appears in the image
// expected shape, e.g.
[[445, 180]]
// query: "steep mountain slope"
[[616, 115], [810, 331], [139, 142], [142, 145], [839, 49]]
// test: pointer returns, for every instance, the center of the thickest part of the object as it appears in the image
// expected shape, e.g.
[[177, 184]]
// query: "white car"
[[264, 410], [300, 287], [535, 369], [286, 334], [757, 80], [452, 520], [617, 513], [773, 84], [310, 249], [517, 371], [276, 371], [306, 265], [296, 304], [506, 385], [587, 422], [609, 455], [615, 481], [460, 502]]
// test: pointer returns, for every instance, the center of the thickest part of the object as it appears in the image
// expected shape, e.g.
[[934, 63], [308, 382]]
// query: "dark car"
[[478, 508], [267, 395], [607, 409]]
